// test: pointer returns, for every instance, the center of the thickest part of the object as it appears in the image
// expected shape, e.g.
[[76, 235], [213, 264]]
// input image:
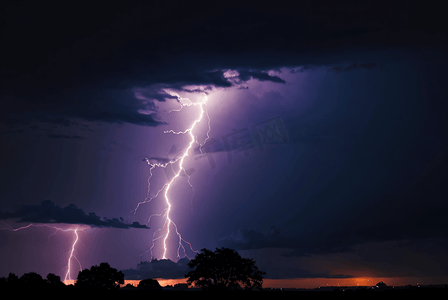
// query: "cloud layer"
[[89, 70], [49, 213]]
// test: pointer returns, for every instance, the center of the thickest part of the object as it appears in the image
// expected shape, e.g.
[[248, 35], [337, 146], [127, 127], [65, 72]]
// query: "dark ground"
[[425, 293]]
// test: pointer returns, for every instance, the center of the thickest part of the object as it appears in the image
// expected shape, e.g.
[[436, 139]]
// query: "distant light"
[[231, 73]]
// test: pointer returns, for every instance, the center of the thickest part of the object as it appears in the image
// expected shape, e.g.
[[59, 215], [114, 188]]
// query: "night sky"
[[321, 153]]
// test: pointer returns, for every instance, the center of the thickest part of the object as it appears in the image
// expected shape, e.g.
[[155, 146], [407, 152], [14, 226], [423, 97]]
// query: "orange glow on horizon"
[[311, 283]]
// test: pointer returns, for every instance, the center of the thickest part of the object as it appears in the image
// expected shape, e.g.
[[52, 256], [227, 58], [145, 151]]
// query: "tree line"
[[223, 269]]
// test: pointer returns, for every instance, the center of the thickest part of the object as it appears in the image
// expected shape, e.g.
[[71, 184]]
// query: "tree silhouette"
[[32, 280], [223, 269], [12, 281], [149, 284], [101, 277], [12, 278], [54, 281], [9, 282]]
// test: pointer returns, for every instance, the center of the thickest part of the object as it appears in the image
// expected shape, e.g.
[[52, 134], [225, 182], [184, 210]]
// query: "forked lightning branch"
[[169, 227]]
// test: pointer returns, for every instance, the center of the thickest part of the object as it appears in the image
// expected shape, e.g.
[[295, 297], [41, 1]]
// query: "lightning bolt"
[[67, 275], [72, 256], [169, 223]]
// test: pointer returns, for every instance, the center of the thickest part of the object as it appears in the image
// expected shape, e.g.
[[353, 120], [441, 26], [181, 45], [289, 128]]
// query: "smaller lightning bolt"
[[67, 275], [16, 229]]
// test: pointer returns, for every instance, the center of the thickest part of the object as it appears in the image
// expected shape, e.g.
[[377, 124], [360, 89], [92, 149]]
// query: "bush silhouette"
[[224, 269], [101, 277], [128, 287], [149, 284]]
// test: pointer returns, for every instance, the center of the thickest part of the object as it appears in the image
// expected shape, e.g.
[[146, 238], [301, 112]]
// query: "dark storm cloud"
[[49, 213], [59, 66], [262, 76], [344, 231], [283, 272], [397, 215], [63, 136], [215, 78], [245, 239], [168, 269], [12, 131], [163, 268], [154, 93], [301, 69], [57, 108], [354, 66], [56, 121]]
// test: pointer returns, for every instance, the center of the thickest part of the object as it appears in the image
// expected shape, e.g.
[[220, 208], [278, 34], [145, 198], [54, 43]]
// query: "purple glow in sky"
[[309, 138]]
